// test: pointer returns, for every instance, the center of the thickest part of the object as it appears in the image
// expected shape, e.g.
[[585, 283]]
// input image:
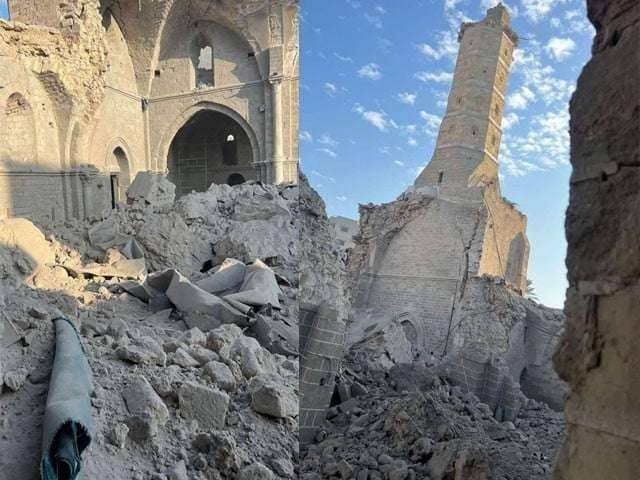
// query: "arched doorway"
[[210, 148], [121, 179], [235, 179]]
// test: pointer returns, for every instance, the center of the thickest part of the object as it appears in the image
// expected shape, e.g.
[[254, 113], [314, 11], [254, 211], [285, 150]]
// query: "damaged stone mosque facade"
[[93, 94]]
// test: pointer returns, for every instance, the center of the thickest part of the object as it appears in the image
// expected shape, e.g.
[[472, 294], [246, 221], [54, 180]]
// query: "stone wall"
[[599, 355], [110, 85]]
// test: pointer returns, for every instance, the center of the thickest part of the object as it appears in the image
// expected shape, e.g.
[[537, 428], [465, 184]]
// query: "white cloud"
[[510, 120], [376, 118], [305, 136], [446, 46], [439, 77], [341, 198], [537, 10], [400, 163], [544, 146], [370, 71], [560, 48], [330, 89], [432, 123], [538, 78], [412, 142], [521, 98], [343, 58], [407, 98], [380, 9], [323, 176], [328, 151], [325, 139]]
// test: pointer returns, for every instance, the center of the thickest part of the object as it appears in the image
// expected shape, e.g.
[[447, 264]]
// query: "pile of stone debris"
[[409, 423], [188, 315]]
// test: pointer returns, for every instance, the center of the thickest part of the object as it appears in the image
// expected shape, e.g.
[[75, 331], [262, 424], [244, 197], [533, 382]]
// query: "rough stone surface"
[[205, 405], [95, 95], [270, 395], [598, 355], [148, 411]]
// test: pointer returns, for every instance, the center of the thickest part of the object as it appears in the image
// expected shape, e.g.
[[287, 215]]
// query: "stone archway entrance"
[[210, 148], [121, 179]]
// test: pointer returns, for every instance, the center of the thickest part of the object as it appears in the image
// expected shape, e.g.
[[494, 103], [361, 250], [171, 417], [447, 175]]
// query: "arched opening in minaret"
[[210, 148]]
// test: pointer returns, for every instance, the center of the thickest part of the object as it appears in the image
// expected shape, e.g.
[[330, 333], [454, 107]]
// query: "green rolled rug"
[[68, 425]]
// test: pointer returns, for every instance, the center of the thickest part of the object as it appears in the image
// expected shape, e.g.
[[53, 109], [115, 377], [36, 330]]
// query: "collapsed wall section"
[[414, 257]]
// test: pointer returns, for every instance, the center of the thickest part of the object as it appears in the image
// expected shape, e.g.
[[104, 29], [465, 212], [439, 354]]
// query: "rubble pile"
[[188, 315], [410, 423]]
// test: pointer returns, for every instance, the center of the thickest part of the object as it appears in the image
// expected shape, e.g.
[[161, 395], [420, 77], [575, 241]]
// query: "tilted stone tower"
[[466, 154], [414, 257]]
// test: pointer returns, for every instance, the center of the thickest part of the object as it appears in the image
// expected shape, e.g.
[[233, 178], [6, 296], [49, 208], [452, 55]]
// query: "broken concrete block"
[[207, 406], [222, 339], [221, 375], [183, 359], [117, 436], [257, 471], [152, 188], [203, 355], [15, 380], [38, 312], [148, 411], [252, 358], [193, 337], [143, 350], [24, 236], [270, 395]]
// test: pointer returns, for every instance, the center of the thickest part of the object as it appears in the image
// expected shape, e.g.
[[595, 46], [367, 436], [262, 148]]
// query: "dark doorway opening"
[[211, 148]]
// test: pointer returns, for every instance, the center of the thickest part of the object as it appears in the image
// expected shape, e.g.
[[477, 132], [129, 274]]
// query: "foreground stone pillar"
[[600, 355], [278, 147]]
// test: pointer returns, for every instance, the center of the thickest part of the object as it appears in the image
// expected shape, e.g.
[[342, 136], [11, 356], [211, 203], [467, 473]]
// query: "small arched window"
[[202, 57], [230, 150]]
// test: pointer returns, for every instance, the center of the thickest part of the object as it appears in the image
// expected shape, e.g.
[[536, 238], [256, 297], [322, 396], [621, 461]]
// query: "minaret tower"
[[468, 145]]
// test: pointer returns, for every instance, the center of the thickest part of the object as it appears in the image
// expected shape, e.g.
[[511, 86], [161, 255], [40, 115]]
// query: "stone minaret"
[[466, 155]]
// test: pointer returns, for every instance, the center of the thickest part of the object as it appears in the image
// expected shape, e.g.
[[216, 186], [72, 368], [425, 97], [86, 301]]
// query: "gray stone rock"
[[221, 339], [257, 471], [183, 359], [178, 472], [117, 436], [270, 395], [147, 410], [221, 375], [143, 350], [203, 355], [15, 380], [205, 405], [252, 358]]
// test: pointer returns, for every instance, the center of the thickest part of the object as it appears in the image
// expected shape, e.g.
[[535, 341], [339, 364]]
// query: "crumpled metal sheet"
[[68, 424]]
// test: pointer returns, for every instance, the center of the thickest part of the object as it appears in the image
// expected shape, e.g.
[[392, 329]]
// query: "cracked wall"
[[102, 76]]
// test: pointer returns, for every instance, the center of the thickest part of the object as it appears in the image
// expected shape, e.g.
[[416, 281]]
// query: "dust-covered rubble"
[[175, 396], [409, 423]]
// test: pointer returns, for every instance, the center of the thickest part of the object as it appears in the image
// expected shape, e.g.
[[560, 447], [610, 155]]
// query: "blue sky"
[[375, 79], [3, 9]]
